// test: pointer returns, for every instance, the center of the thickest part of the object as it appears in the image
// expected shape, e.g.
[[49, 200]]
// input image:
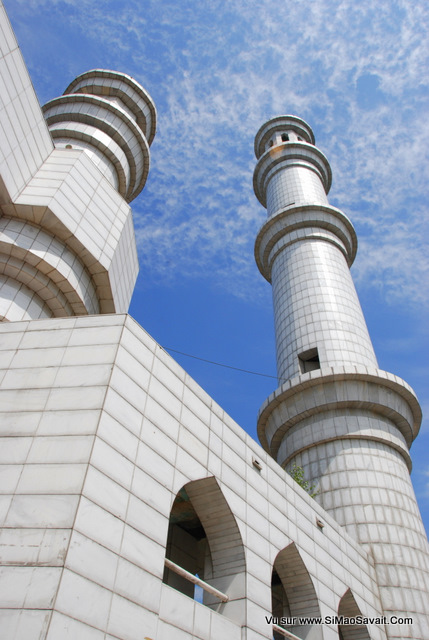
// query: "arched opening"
[[349, 609], [293, 595], [186, 545], [204, 540]]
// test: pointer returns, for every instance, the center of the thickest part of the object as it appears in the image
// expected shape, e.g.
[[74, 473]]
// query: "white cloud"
[[218, 70]]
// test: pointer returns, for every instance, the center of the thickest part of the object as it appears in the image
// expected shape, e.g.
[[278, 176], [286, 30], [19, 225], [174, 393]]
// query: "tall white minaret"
[[67, 245], [346, 422]]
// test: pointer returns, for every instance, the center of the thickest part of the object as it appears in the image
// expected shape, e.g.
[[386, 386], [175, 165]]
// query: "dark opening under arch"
[[204, 539]]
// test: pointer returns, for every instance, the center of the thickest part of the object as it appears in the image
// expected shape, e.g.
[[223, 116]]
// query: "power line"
[[220, 364]]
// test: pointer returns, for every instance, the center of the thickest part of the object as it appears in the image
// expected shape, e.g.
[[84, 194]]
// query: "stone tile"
[[176, 609], [29, 587], [33, 546], [106, 493], [42, 511], [92, 560], [64, 627], [83, 600], [70, 449], [142, 551], [51, 478], [138, 585], [24, 623], [99, 525], [129, 621]]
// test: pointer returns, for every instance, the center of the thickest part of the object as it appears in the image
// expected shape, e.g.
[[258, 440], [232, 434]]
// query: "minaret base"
[[350, 432]]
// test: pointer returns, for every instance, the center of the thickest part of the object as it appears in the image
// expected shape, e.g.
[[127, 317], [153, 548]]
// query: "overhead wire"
[[220, 364]]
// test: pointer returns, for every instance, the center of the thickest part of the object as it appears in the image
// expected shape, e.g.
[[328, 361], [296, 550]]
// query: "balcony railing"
[[189, 576], [285, 633]]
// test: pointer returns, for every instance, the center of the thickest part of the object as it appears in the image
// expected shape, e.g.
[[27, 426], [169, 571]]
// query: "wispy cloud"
[[218, 70]]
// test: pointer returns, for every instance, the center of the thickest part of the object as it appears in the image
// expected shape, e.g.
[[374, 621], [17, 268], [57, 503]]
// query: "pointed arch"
[[293, 593], [349, 609], [204, 539]]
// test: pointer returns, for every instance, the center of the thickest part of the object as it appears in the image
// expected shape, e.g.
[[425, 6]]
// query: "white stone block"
[[163, 397], [155, 465], [92, 560], [39, 338], [150, 491], [106, 493], [99, 525], [158, 441], [118, 436], [14, 450], [33, 546], [131, 366], [202, 617], [177, 609], [128, 389], [141, 346], [221, 627], [83, 375], [110, 462], [123, 411], [142, 551], [35, 399], [170, 375], [70, 449], [9, 477], [64, 627], [189, 466], [52, 479], [166, 631], [138, 585], [96, 335], [83, 600], [162, 418], [42, 511], [191, 443], [148, 520], [29, 587], [24, 624], [68, 422], [129, 621], [68, 398]]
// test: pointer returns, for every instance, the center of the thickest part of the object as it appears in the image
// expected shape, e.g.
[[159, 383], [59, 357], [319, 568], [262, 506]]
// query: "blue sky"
[[217, 70]]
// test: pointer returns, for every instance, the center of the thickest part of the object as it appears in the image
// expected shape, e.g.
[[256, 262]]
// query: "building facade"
[[124, 484]]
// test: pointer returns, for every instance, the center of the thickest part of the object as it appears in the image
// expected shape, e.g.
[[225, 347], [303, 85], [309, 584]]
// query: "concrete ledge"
[[297, 223], [338, 388]]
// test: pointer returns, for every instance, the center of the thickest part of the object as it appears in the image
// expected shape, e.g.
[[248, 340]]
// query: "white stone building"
[[120, 477]]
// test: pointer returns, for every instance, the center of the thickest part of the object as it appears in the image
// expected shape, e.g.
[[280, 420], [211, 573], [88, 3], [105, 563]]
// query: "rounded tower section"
[[335, 414], [305, 250], [287, 143], [67, 244], [113, 119]]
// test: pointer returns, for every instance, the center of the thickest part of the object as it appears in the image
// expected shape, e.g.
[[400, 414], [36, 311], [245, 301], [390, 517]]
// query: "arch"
[[349, 609], [204, 539], [293, 594]]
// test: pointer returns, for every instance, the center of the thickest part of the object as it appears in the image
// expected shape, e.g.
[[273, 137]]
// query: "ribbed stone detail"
[[110, 117]]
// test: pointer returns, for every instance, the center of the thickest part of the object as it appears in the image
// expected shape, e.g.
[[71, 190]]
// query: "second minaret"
[[348, 424]]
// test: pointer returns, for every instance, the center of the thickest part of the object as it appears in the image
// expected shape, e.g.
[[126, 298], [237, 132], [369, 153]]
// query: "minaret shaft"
[[336, 415], [295, 185], [311, 280]]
